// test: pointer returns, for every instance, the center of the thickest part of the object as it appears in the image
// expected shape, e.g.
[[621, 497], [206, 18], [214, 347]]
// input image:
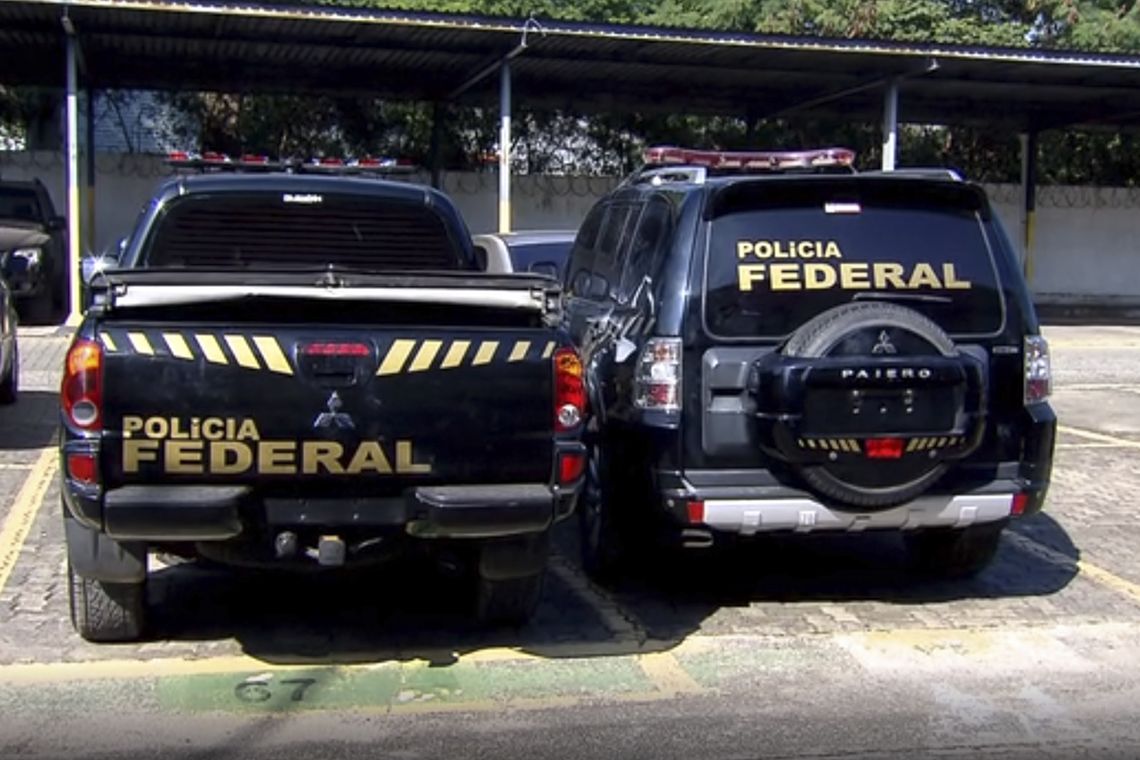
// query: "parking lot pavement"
[[1039, 655]]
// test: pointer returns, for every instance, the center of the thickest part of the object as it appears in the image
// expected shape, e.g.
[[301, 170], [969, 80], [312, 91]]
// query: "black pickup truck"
[[304, 371]]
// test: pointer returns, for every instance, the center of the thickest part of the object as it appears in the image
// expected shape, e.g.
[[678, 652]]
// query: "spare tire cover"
[[874, 330]]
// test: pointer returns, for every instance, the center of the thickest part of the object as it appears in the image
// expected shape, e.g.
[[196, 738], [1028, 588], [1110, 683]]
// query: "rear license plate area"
[[877, 411]]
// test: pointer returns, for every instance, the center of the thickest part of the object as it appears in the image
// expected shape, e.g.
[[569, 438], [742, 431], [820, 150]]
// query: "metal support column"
[[505, 147], [435, 157], [890, 125], [1028, 200], [71, 150], [89, 155]]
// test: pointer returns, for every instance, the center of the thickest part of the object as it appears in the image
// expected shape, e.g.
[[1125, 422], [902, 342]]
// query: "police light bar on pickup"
[[220, 162], [667, 155]]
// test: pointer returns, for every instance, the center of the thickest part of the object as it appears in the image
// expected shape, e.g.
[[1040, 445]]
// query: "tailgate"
[[338, 408]]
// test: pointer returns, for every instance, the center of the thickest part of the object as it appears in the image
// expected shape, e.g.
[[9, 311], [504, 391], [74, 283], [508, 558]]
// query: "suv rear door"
[[778, 252]]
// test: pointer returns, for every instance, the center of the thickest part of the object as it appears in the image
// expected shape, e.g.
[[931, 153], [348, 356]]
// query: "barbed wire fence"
[[48, 165]]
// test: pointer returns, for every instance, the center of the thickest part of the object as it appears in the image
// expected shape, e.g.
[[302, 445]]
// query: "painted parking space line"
[[22, 515], [667, 674], [1092, 572], [1092, 435]]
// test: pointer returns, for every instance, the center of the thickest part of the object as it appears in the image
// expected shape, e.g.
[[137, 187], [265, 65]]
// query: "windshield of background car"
[[283, 229], [524, 256], [780, 253], [19, 204]]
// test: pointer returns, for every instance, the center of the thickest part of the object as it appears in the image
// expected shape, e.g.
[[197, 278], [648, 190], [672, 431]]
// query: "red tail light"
[[569, 390], [336, 349], [571, 465], [1019, 503], [81, 467], [884, 448], [81, 392], [696, 512]]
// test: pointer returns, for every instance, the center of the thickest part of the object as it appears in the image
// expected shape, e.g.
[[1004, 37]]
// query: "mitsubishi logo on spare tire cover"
[[875, 340]]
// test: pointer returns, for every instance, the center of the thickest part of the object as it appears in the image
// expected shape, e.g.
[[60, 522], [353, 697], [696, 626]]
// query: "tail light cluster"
[[569, 390], [657, 378], [569, 411], [1038, 370], [81, 393]]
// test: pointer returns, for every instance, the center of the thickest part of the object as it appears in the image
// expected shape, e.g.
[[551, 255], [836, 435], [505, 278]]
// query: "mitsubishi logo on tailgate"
[[884, 345], [334, 417]]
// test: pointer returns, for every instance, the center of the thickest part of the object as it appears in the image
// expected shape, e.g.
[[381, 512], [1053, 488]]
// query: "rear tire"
[[10, 383], [106, 612], [508, 601], [602, 541], [954, 553]]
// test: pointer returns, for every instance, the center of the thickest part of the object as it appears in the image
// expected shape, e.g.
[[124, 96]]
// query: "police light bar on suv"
[[667, 155]]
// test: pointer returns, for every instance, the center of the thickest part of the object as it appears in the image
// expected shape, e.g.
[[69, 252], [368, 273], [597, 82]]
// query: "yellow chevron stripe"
[[140, 343], [108, 341], [942, 442], [425, 356], [518, 353], [177, 345], [398, 354], [455, 354], [912, 445], [811, 443], [855, 446], [801, 443], [241, 351], [546, 352], [486, 352], [272, 354], [211, 348]]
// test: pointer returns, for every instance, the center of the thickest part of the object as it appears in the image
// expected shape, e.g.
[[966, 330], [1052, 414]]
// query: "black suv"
[[774, 342]]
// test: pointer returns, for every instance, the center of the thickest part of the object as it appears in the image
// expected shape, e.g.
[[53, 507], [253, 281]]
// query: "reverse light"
[[569, 390], [884, 448], [657, 377], [81, 392], [1038, 370]]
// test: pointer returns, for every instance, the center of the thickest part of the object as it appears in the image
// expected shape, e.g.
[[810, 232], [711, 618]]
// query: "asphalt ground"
[[789, 647]]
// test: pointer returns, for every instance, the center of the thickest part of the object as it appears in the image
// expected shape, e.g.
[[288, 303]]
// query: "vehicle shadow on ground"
[[408, 610], [413, 610], [836, 569], [31, 422]]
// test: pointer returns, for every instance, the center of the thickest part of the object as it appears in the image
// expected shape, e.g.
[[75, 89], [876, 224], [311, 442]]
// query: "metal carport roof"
[[584, 67]]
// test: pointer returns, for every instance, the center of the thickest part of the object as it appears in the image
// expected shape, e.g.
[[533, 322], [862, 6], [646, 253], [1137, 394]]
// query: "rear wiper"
[[878, 296]]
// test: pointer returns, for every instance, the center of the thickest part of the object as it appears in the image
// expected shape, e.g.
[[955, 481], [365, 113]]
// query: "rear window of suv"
[[780, 253]]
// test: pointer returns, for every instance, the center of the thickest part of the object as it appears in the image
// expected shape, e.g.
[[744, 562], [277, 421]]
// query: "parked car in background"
[[540, 251], [33, 249], [9, 350]]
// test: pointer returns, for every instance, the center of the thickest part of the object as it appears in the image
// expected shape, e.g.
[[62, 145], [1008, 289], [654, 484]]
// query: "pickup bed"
[[295, 372]]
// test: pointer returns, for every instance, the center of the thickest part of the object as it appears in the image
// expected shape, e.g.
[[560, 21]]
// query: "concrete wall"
[[1087, 239]]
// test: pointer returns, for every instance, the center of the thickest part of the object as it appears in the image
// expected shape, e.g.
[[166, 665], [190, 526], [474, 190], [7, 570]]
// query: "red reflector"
[[696, 510], [884, 448], [336, 349], [1020, 502], [81, 467], [570, 467]]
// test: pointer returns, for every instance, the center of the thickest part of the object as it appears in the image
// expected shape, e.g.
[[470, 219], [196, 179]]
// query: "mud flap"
[[517, 557], [95, 556]]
